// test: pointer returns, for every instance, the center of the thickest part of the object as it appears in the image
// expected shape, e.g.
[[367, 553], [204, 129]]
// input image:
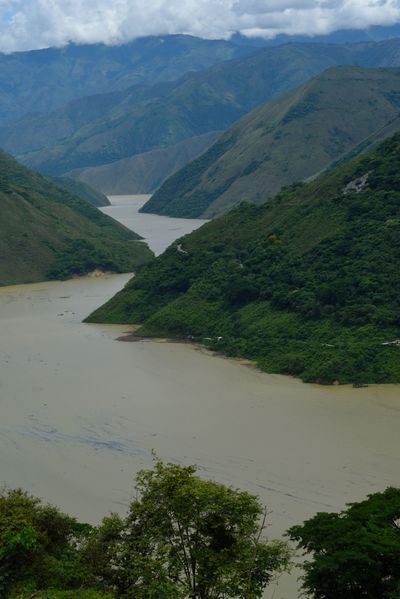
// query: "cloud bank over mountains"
[[32, 24]]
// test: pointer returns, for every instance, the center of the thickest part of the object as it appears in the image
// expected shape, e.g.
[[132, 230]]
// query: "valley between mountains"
[[200, 282], [307, 284]]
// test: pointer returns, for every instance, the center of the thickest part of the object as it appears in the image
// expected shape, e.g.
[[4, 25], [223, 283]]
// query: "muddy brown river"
[[81, 412]]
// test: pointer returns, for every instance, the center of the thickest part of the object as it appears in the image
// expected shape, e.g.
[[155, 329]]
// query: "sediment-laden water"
[[81, 412], [158, 231]]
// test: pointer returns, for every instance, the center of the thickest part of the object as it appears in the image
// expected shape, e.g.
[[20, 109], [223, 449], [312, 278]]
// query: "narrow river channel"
[[81, 412]]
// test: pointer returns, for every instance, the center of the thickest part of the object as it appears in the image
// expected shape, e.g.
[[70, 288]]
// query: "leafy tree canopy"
[[187, 538], [356, 554], [38, 544]]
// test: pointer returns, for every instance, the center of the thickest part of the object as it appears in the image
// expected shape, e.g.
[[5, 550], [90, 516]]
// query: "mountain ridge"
[[82, 190], [50, 77], [144, 118], [286, 140]]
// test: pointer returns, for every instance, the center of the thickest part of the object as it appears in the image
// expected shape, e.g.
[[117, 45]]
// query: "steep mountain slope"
[[101, 129], [48, 233], [143, 173], [97, 131], [82, 190], [307, 284], [284, 141], [84, 116], [43, 80]]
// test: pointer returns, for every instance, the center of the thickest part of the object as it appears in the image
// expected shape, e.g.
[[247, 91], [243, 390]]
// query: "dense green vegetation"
[[186, 537], [307, 284], [46, 232], [105, 128], [38, 545], [302, 133], [82, 190], [182, 537], [356, 553]]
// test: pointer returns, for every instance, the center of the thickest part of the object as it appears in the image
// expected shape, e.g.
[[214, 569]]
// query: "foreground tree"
[[38, 544], [356, 554], [187, 538]]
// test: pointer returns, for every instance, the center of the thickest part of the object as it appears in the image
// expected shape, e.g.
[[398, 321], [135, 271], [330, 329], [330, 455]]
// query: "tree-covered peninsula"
[[307, 284]]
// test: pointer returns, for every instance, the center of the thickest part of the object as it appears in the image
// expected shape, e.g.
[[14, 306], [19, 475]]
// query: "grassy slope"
[[48, 233], [102, 129], [143, 173], [284, 141], [307, 284], [82, 190]]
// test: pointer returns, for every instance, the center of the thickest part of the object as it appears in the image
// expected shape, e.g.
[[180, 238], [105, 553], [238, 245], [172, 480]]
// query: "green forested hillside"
[[102, 129], [286, 140], [46, 232], [307, 284]]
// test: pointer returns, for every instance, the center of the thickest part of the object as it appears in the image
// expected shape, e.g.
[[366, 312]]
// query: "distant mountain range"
[[307, 284], [47, 233], [375, 33], [106, 129], [289, 139], [44, 80]]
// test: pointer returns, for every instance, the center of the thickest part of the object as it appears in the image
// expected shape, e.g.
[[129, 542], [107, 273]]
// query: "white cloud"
[[28, 24]]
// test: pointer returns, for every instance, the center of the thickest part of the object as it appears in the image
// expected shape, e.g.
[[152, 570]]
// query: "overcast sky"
[[29, 24]]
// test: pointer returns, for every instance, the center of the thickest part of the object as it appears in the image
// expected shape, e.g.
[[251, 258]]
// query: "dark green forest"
[[307, 284]]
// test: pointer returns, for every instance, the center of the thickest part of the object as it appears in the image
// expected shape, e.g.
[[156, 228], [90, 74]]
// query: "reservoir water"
[[81, 412], [158, 231]]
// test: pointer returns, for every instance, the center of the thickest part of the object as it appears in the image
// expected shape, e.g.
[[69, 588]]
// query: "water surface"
[[158, 231], [81, 412]]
